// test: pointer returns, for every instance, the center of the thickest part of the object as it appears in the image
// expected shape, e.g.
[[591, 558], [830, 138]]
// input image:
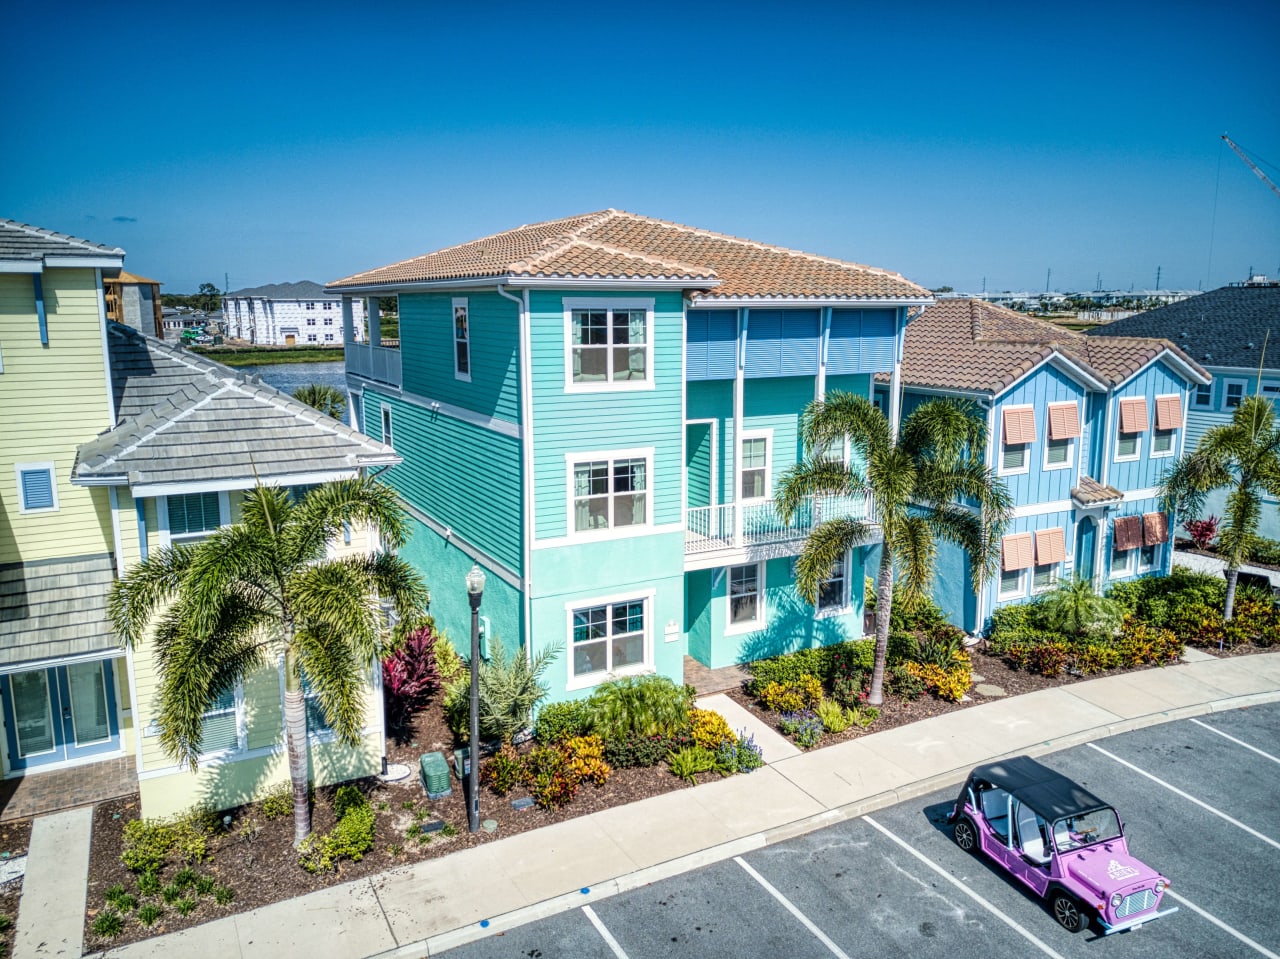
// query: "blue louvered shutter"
[[37, 489], [722, 344], [844, 349], [801, 337], [764, 344], [697, 332], [877, 340]]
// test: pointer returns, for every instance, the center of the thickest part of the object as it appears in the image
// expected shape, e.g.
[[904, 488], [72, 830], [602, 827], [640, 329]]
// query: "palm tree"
[[918, 483], [329, 400], [1076, 610], [1243, 457], [230, 604]]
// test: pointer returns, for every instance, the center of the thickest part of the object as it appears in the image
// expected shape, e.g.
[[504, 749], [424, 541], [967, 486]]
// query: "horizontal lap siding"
[[1145, 471], [461, 475], [566, 422], [427, 352], [1046, 385], [776, 405], [54, 398]]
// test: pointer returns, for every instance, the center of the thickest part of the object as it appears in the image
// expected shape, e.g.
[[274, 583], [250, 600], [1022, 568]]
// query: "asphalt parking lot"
[[1200, 800]]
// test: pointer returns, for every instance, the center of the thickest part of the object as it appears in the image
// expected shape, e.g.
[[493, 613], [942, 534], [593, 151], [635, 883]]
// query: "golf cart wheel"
[[1067, 911], [965, 834]]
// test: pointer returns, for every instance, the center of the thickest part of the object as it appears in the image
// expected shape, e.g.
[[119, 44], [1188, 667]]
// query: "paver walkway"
[[52, 909], [431, 906], [42, 792]]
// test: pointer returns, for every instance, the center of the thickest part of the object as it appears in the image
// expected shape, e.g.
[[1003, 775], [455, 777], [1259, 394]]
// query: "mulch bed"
[[15, 838]]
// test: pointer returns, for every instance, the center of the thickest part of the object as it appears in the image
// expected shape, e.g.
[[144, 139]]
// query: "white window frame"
[[586, 680], [1021, 590], [571, 460], [1173, 433], [238, 709], [1137, 444], [328, 337], [843, 607], [1055, 573], [1195, 397], [162, 515], [311, 338], [1226, 393], [51, 469], [388, 427], [1270, 389], [1071, 454], [762, 614], [1026, 454], [460, 303], [320, 735], [569, 304], [767, 436], [1144, 567], [1127, 569]]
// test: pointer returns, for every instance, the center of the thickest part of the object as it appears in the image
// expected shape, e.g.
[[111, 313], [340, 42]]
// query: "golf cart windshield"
[[1084, 829]]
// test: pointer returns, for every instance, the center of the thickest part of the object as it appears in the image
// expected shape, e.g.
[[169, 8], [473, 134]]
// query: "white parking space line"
[[1174, 789], [1221, 925], [1238, 742], [605, 934], [1008, 921], [791, 908]]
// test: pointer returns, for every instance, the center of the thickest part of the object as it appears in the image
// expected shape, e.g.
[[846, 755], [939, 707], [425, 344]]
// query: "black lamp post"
[[475, 589]]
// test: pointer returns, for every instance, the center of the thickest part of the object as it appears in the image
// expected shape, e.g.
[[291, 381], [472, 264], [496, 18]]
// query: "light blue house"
[[1079, 429], [1234, 332], [596, 411]]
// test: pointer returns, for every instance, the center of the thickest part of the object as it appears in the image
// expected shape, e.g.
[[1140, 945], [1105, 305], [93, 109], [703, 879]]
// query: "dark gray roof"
[[21, 241], [1224, 327], [55, 608], [302, 290], [186, 419]]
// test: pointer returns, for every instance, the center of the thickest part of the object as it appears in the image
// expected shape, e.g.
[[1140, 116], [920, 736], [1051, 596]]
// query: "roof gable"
[[22, 241]]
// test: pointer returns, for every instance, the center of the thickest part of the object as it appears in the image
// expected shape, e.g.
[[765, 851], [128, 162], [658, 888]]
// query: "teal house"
[[1080, 429], [596, 410]]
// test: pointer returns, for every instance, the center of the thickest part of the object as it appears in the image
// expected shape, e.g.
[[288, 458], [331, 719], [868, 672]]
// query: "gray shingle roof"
[[1224, 327], [21, 241], [301, 290], [56, 608], [187, 419]]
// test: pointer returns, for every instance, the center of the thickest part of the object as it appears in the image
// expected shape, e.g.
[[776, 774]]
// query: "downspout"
[[526, 455], [106, 351], [118, 547]]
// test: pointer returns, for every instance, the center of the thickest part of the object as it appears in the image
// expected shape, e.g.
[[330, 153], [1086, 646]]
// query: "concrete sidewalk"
[[431, 906], [52, 908]]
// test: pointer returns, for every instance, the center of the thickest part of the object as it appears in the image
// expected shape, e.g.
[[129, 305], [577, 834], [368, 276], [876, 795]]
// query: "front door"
[[1086, 538], [58, 714], [698, 452], [290, 339]]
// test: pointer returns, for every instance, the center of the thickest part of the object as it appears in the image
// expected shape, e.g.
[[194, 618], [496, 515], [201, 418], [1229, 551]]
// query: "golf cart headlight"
[[1161, 886], [1116, 900]]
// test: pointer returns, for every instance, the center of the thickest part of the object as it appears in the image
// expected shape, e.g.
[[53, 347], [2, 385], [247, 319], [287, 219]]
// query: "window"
[[1168, 421], [1133, 423], [1121, 562], [1127, 446], [1019, 427], [746, 593], [317, 721], [311, 321], [1016, 556], [328, 321], [461, 342], [1126, 539], [328, 337], [1011, 583], [311, 306], [386, 425], [1234, 394], [1044, 578], [220, 730], [1149, 557], [833, 591], [609, 637], [37, 491], [755, 467], [1057, 454], [610, 493], [1051, 553], [311, 338], [1204, 396], [193, 516], [1063, 428], [608, 344], [1271, 390], [1162, 443], [328, 306]]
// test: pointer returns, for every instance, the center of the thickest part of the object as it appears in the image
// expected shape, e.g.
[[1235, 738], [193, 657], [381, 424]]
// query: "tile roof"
[[965, 344], [55, 608], [21, 241], [613, 244], [300, 290], [1224, 327], [186, 419], [1089, 492]]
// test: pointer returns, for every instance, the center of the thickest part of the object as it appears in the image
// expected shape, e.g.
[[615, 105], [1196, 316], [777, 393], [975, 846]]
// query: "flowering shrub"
[[1202, 531], [709, 728], [585, 759], [504, 771], [739, 755], [802, 726], [950, 683], [639, 750], [805, 692], [410, 675], [851, 689]]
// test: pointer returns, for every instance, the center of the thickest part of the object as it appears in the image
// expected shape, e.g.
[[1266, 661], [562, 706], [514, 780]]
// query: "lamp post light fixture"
[[475, 589]]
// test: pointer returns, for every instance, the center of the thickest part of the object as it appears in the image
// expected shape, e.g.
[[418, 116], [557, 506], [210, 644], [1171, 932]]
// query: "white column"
[[348, 322], [374, 320], [895, 378], [739, 384], [820, 384]]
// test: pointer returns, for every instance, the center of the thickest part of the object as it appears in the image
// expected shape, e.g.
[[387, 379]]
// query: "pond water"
[[287, 377]]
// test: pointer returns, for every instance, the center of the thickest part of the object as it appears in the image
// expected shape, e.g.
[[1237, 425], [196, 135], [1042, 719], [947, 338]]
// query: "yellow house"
[[112, 444]]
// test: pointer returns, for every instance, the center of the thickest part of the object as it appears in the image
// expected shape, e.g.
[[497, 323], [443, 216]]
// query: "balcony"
[[378, 363], [713, 534]]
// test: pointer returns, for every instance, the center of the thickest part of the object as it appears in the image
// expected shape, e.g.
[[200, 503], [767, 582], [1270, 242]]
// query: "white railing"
[[712, 528], [374, 363]]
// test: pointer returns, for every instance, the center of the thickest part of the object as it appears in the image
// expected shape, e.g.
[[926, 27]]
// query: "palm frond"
[[823, 548], [134, 600], [915, 551], [844, 415], [815, 476], [337, 674]]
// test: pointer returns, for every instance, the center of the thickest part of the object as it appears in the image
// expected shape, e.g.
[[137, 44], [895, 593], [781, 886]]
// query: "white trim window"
[[609, 491], [1121, 562], [833, 592], [609, 637], [1018, 434], [318, 724], [37, 487], [191, 517], [220, 727], [745, 611], [1062, 426], [1202, 399], [1150, 557], [386, 424], [1271, 390], [1013, 583], [461, 340], [757, 466], [608, 345], [1233, 393], [1169, 420], [1132, 422], [1044, 578]]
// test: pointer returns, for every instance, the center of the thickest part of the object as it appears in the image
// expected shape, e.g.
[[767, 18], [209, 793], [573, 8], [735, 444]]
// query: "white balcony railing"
[[374, 363], [712, 528]]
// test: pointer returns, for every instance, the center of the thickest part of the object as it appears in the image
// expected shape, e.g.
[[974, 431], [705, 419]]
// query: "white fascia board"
[[34, 664], [106, 262], [1073, 370], [244, 482], [852, 302], [1173, 360], [21, 266], [982, 397]]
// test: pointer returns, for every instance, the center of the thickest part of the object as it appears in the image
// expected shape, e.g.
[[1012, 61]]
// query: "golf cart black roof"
[[1049, 793]]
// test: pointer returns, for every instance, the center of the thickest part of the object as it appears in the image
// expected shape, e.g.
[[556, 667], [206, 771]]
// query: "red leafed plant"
[[410, 675], [1202, 531]]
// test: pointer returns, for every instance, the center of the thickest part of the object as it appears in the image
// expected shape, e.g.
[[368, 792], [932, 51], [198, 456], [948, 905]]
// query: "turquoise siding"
[[463, 476], [568, 422], [427, 352], [1039, 485], [858, 384], [1144, 472]]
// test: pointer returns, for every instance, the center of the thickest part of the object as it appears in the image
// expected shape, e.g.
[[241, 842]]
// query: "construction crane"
[[1251, 165]]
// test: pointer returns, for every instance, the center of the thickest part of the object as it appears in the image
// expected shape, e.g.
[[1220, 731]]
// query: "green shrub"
[[940, 649], [915, 614], [804, 692], [278, 801], [223, 895], [790, 668], [107, 924], [449, 664], [185, 877], [643, 751], [560, 721], [185, 906], [688, 762], [865, 716], [738, 755], [348, 797], [902, 683], [350, 838], [171, 893], [146, 844], [114, 892], [1164, 601], [149, 883], [639, 705], [205, 885], [835, 718], [1265, 551], [510, 688], [803, 727], [849, 689], [149, 913], [504, 771]]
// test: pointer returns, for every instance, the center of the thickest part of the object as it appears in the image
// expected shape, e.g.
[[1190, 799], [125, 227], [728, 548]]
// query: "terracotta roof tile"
[[1089, 492], [616, 244]]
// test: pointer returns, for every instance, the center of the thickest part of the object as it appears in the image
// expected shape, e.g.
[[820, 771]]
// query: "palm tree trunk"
[[884, 605], [295, 734], [1233, 574]]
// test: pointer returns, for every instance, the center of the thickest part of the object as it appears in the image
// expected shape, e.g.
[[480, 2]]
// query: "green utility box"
[[435, 775]]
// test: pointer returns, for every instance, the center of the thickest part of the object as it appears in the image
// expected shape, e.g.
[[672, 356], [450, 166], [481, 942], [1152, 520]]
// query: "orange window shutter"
[[1064, 421], [1017, 552], [1168, 413], [1128, 532], [1133, 415], [1051, 546], [1019, 427], [1155, 529]]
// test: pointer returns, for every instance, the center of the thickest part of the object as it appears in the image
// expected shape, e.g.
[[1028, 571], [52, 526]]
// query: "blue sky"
[[948, 142]]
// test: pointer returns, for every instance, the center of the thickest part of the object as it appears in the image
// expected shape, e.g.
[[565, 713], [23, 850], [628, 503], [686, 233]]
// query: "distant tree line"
[[208, 299]]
